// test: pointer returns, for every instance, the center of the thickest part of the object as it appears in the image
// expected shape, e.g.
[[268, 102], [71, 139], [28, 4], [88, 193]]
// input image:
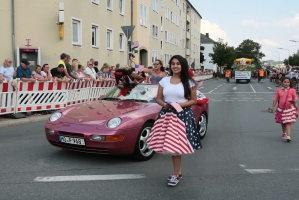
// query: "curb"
[[15, 122]]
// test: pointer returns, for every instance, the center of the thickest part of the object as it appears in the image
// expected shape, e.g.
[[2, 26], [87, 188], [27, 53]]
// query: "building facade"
[[41, 30], [208, 45]]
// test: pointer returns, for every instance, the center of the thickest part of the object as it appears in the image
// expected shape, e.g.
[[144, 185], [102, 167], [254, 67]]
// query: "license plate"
[[70, 140]]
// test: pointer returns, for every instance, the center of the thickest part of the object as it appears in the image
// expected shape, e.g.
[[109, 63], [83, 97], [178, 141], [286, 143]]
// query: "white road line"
[[269, 88], [255, 100], [252, 88], [234, 98], [260, 171], [247, 98], [229, 100], [89, 177], [234, 88], [241, 165], [242, 100], [258, 98], [211, 91]]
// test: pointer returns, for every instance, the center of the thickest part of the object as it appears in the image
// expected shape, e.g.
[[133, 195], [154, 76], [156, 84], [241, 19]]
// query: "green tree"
[[294, 60], [223, 55], [250, 49]]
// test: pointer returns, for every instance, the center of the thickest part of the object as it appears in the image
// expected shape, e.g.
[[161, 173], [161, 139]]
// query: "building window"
[[122, 7], [154, 56], [76, 32], [110, 5], [109, 39], [162, 3], [143, 15], [155, 31], [121, 42], [161, 23], [184, 7], [95, 2], [166, 36], [155, 5], [94, 35]]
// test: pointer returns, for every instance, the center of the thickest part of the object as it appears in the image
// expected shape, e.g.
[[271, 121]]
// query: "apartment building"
[[41, 30]]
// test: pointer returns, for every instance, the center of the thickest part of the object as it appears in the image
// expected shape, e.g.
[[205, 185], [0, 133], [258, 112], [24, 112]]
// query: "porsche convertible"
[[118, 123]]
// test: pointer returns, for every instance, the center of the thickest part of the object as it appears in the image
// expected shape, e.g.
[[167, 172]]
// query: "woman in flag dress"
[[174, 132]]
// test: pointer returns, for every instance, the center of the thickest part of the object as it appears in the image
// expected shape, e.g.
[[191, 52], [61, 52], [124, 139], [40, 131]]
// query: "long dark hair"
[[161, 63], [185, 77]]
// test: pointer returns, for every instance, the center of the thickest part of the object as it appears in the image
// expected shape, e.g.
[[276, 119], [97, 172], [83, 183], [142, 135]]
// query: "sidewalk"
[[8, 122]]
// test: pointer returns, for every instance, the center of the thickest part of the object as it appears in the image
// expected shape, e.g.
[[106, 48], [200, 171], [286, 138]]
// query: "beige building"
[[41, 30]]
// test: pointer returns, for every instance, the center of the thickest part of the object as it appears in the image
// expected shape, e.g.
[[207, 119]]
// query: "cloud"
[[253, 23], [295, 36], [289, 22], [214, 30], [270, 43]]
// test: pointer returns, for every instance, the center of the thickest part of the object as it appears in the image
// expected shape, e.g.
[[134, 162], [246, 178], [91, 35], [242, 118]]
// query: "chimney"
[[207, 34]]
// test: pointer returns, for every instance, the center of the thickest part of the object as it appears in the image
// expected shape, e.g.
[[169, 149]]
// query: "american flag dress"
[[174, 133]]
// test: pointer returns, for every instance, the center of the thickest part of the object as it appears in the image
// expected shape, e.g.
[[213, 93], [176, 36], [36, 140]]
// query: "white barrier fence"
[[41, 96]]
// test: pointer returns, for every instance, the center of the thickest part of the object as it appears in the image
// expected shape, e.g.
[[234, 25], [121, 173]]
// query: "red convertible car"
[[119, 123]]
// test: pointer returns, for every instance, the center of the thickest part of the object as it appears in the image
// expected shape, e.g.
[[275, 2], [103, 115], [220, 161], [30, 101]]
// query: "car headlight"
[[114, 122], [55, 116]]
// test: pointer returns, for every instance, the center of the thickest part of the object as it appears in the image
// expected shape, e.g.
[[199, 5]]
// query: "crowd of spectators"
[[68, 70]]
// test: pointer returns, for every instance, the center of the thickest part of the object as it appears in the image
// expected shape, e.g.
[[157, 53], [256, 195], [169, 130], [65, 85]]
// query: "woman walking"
[[286, 111], [174, 132]]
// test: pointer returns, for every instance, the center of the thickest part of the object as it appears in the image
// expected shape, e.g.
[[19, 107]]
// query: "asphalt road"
[[243, 157]]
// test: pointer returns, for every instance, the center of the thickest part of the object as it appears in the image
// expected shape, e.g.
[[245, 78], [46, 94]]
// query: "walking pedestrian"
[[179, 87], [286, 111]]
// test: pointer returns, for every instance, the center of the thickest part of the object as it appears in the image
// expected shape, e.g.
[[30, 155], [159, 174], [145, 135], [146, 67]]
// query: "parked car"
[[119, 123]]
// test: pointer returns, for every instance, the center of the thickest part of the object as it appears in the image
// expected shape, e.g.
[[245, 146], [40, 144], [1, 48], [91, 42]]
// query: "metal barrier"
[[78, 92], [99, 89], [7, 98], [40, 96]]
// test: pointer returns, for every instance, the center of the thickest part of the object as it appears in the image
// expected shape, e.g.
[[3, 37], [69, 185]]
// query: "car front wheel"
[[202, 125], [142, 152]]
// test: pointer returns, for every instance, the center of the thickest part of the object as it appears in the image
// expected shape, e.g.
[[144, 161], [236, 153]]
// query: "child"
[[287, 98], [174, 132]]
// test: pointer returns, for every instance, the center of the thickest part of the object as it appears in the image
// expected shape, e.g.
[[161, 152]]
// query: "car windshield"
[[133, 92]]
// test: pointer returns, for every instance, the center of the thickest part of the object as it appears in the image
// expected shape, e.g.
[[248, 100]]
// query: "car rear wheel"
[[202, 125], [142, 152]]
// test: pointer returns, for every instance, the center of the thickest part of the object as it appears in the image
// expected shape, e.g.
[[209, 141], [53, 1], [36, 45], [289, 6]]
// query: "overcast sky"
[[270, 23]]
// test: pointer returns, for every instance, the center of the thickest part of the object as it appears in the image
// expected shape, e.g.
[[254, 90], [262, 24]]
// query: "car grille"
[[71, 134], [80, 148]]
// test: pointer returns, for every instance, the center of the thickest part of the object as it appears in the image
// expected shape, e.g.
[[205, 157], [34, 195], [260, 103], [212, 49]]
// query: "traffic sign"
[[128, 30]]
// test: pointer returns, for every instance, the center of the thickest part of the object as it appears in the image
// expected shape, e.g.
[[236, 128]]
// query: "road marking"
[[247, 98], [234, 98], [258, 98], [252, 88], [269, 88], [241, 165], [211, 91], [89, 177], [255, 100], [260, 171], [242, 100], [229, 100], [234, 88]]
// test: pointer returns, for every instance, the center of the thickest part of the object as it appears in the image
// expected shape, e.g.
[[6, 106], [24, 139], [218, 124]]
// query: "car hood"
[[100, 111]]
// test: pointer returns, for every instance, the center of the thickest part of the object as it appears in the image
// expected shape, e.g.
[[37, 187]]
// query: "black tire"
[[202, 125], [142, 152], [237, 81]]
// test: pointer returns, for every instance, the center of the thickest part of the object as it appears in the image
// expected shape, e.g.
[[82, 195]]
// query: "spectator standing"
[[179, 87], [80, 73], [127, 76], [7, 71], [90, 72], [117, 66], [96, 66], [103, 73], [287, 99], [46, 72], [38, 75], [69, 73], [58, 74], [24, 73], [112, 76]]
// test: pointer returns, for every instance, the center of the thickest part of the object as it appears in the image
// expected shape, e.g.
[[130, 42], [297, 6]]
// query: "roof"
[[205, 40], [194, 8]]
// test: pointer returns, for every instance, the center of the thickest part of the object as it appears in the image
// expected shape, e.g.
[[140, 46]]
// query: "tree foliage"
[[250, 49], [294, 60], [223, 54]]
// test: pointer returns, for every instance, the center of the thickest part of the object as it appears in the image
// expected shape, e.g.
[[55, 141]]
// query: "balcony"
[[188, 35]]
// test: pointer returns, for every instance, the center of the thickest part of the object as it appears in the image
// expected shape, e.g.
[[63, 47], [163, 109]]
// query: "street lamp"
[[278, 55], [289, 55]]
